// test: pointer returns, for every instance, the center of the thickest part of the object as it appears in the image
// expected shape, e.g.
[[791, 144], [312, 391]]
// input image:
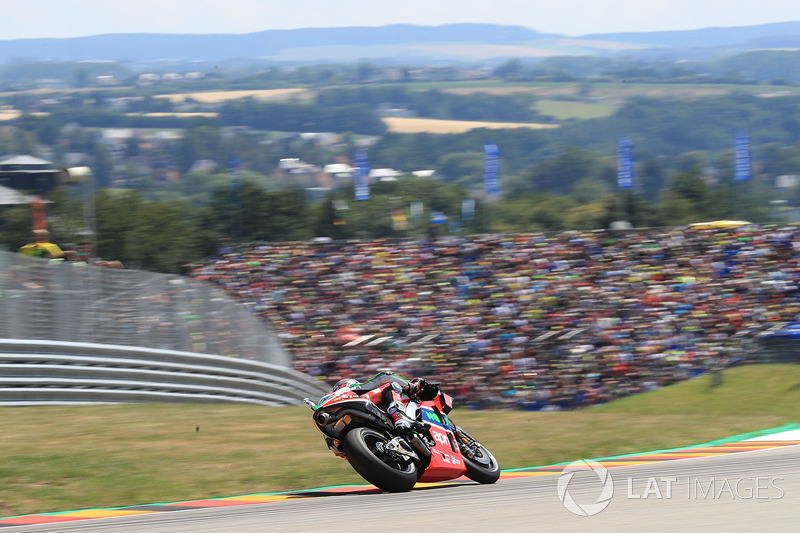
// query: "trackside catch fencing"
[[72, 334], [68, 302]]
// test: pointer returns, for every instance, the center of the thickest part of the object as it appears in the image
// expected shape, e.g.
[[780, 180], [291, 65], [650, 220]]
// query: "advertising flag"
[[624, 163], [468, 209], [492, 168], [741, 156], [360, 177], [339, 212], [416, 210], [399, 221]]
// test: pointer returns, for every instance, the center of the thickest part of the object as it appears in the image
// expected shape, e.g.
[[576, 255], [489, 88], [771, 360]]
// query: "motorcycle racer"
[[396, 433], [386, 389]]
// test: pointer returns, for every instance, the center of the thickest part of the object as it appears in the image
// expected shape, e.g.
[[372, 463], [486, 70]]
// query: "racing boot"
[[402, 423]]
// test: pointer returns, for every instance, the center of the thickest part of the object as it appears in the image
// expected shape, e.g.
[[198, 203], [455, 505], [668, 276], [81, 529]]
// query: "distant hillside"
[[271, 43], [465, 42], [706, 37]]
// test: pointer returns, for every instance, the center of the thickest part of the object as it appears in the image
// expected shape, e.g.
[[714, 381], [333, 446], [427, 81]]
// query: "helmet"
[[423, 389], [349, 383]]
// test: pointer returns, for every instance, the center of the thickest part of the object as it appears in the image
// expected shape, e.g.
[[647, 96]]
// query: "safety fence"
[[46, 372], [68, 302]]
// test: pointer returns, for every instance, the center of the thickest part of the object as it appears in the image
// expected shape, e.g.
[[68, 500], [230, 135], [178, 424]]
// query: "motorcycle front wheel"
[[481, 464], [364, 449]]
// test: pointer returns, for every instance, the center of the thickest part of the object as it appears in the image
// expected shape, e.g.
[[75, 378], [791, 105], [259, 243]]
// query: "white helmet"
[[349, 383]]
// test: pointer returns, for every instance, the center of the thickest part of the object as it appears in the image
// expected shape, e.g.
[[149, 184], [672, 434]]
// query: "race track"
[[745, 491]]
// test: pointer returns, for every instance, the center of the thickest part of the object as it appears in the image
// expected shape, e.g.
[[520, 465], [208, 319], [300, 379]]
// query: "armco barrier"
[[35, 372]]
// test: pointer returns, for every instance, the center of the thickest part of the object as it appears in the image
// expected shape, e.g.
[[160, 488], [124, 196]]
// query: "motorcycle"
[[434, 449]]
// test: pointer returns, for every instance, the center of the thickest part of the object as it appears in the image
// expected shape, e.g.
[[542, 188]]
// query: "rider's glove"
[[402, 425], [422, 389]]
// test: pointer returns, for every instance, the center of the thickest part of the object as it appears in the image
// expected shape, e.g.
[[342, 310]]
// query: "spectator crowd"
[[532, 321]]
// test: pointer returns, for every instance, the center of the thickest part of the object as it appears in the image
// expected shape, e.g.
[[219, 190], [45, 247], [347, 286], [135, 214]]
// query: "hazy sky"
[[73, 18]]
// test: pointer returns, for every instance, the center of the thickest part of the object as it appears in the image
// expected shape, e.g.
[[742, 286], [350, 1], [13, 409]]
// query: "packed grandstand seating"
[[530, 321]]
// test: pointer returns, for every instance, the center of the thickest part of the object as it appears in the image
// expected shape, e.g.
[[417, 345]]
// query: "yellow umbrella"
[[42, 249], [720, 224]]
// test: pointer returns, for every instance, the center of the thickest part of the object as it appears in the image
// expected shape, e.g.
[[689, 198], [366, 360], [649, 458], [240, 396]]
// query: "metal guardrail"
[[36, 372]]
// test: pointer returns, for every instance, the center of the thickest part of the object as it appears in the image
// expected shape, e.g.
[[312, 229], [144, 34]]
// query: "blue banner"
[[741, 156], [492, 168], [624, 163], [360, 177]]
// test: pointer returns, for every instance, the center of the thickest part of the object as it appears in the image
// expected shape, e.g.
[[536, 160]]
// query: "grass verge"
[[63, 458]]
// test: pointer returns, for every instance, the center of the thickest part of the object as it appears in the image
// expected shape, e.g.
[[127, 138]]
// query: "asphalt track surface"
[[749, 491]]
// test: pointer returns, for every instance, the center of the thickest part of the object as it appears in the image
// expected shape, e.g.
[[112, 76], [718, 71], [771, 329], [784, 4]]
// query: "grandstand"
[[530, 321]]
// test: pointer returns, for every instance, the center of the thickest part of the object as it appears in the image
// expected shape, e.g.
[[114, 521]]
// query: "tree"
[[464, 168], [46, 128], [365, 72], [587, 190], [652, 177], [117, 216], [200, 142], [17, 223], [560, 174], [686, 200], [102, 166], [163, 238], [510, 69], [533, 212], [82, 77]]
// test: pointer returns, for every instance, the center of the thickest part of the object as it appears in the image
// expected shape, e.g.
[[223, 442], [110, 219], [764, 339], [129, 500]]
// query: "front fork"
[[465, 442]]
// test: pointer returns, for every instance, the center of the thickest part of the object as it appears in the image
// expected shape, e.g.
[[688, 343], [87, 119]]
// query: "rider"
[[386, 389]]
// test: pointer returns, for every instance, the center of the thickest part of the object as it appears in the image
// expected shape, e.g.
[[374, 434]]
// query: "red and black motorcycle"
[[434, 449]]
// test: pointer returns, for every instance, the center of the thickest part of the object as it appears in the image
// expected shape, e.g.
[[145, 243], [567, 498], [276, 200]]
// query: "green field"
[[596, 88], [565, 110], [64, 458]]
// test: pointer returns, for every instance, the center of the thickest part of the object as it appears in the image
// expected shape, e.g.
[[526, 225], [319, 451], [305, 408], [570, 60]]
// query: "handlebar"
[[310, 403]]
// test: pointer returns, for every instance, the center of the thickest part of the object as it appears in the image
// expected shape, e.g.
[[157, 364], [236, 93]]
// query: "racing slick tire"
[[481, 464], [363, 448]]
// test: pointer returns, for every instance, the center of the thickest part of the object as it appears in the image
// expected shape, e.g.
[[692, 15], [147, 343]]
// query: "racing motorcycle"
[[434, 449]]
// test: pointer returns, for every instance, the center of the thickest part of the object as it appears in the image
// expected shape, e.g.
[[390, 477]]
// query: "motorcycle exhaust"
[[329, 419], [418, 446]]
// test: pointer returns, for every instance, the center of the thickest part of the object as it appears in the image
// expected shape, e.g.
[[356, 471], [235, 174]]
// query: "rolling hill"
[[452, 42]]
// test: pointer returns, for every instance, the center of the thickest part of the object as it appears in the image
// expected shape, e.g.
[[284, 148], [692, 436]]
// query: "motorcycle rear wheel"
[[481, 464], [363, 448]]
